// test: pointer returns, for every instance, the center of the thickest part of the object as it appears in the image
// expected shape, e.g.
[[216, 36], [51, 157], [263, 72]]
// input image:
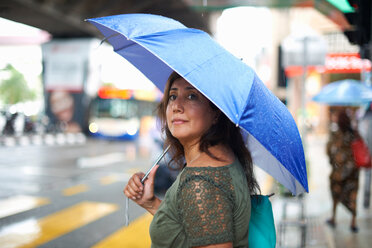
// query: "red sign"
[[111, 92], [346, 63], [335, 63]]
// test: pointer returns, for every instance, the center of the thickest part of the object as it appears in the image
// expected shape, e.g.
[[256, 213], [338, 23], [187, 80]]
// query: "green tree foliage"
[[15, 89]]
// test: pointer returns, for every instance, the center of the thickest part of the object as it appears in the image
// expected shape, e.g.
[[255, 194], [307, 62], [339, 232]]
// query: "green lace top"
[[205, 205]]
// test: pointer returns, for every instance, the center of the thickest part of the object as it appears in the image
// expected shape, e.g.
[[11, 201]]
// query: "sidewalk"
[[317, 208]]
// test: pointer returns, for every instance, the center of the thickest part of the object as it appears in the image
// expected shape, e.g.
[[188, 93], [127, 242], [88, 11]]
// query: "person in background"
[[63, 106], [344, 177], [209, 203]]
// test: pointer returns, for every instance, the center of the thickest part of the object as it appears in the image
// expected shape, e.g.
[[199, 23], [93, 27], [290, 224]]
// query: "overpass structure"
[[67, 62], [65, 18]]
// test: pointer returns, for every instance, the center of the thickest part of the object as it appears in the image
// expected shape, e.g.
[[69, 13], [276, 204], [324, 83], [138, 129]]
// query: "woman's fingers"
[[127, 193], [134, 188], [132, 194], [141, 194], [137, 181], [135, 185]]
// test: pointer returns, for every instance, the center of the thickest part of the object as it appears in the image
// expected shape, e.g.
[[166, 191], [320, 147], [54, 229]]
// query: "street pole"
[[303, 93], [366, 79]]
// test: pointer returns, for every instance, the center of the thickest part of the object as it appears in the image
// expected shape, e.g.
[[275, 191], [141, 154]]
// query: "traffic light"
[[360, 20]]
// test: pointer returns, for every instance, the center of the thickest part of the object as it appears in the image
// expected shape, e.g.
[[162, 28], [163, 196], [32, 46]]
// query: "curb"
[[55, 139]]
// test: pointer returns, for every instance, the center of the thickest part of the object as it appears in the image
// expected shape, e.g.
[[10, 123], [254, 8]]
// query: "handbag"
[[362, 157], [262, 232]]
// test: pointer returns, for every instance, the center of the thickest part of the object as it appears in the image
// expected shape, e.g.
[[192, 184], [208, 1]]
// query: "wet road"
[[71, 195]]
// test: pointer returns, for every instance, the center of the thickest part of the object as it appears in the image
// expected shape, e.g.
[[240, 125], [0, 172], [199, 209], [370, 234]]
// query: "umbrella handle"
[[142, 181], [156, 162]]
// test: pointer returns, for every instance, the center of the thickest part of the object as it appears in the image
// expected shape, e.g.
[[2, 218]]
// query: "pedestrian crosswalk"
[[40, 230], [109, 179], [80, 188], [43, 139], [136, 235], [45, 229], [20, 203], [62, 222]]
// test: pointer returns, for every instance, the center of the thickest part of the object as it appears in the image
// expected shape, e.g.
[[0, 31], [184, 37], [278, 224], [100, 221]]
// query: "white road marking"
[[99, 161]]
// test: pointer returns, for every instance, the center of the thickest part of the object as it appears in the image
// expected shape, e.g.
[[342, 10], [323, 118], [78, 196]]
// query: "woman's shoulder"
[[207, 181], [210, 167], [208, 176]]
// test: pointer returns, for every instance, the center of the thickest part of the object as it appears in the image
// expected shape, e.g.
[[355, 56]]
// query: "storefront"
[[338, 66]]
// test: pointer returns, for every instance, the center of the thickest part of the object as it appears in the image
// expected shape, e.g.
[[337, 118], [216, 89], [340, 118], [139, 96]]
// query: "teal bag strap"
[[261, 225]]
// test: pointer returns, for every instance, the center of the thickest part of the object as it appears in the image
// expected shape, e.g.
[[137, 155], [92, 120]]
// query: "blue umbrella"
[[346, 92], [158, 45]]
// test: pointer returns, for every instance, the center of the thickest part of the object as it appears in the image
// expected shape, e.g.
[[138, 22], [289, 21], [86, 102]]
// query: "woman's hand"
[[143, 194]]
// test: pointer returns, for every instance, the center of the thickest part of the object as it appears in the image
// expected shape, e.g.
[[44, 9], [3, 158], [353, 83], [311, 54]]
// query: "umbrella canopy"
[[158, 45], [346, 92]]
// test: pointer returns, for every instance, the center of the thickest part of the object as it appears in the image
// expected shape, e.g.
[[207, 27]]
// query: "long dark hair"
[[344, 122], [223, 132]]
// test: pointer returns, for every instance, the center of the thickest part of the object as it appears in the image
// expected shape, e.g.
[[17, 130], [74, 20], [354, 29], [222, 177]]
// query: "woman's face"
[[189, 114]]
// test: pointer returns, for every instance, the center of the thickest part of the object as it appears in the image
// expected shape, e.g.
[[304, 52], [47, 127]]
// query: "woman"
[[209, 203], [344, 178]]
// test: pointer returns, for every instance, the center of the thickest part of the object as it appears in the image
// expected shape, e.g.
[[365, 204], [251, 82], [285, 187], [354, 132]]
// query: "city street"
[[69, 195], [85, 87]]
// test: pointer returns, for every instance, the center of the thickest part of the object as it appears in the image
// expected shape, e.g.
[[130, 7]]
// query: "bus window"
[[116, 118]]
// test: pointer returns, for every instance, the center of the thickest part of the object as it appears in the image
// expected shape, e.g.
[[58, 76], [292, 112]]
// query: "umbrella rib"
[[125, 47], [114, 35], [106, 38]]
